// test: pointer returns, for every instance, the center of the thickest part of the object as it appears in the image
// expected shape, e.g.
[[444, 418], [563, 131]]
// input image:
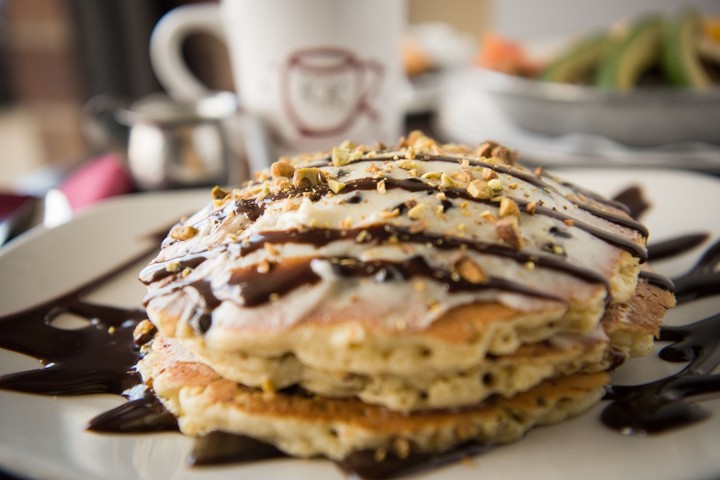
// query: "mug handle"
[[166, 48]]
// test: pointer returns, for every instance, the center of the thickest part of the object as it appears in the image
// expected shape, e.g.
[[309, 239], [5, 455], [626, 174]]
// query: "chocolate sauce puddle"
[[100, 357], [659, 406]]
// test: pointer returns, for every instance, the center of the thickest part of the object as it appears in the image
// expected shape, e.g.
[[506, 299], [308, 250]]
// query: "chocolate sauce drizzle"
[[100, 358], [282, 278], [416, 185], [536, 180]]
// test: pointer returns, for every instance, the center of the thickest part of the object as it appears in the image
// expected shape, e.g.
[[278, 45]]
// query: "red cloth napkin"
[[100, 178]]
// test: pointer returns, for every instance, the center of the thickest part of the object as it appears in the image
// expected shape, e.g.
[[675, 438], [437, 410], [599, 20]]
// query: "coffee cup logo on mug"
[[316, 72]]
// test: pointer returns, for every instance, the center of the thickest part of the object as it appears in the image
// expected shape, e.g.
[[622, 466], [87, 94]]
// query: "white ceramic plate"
[[44, 437]]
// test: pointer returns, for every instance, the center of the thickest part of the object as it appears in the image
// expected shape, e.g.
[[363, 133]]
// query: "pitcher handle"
[[166, 48]]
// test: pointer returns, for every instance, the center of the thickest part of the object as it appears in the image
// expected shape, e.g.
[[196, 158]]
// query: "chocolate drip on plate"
[[634, 199], [674, 246], [658, 406], [217, 448], [98, 358], [141, 415]]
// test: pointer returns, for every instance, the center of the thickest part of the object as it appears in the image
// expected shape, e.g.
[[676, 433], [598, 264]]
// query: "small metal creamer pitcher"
[[169, 144]]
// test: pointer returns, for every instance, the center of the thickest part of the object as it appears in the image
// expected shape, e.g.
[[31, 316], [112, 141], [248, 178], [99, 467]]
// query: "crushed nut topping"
[[282, 168], [531, 207], [264, 266], [416, 212], [218, 193], [381, 186], [406, 164], [183, 232], [478, 189], [446, 181], [462, 176], [142, 331], [488, 215], [495, 184], [508, 230], [470, 271], [308, 177], [410, 152], [508, 207], [340, 156], [488, 174], [335, 185], [496, 151]]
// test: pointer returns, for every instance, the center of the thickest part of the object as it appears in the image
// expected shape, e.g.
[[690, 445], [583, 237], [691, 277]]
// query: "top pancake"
[[339, 255]]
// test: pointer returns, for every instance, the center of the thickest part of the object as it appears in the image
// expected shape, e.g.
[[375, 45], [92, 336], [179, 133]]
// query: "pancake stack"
[[395, 299]]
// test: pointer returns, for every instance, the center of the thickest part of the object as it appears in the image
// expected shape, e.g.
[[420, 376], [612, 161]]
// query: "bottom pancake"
[[306, 425]]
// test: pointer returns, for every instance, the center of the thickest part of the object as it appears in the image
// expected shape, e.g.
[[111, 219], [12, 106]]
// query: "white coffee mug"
[[315, 71]]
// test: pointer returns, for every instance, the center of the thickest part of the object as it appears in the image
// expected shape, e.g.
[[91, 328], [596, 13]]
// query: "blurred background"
[[56, 55]]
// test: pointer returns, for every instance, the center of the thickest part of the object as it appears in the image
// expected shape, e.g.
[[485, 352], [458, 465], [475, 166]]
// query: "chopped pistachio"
[[183, 232], [340, 156], [381, 186], [264, 192], [508, 207], [462, 176], [406, 164], [282, 168], [446, 181], [218, 193], [478, 189], [509, 231], [416, 212], [335, 185], [488, 174], [348, 145], [308, 177], [432, 175], [470, 271], [495, 184], [488, 215]]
